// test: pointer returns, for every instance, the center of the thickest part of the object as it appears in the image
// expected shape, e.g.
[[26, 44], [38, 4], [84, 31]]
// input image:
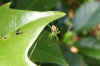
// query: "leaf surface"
[[47, 50], [90, 47], [14, 49], [87, 17], [36, 5]]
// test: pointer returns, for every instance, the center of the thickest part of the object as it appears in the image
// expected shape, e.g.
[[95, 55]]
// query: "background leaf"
[[87, 17], [37, 5], [90, 47], [71, 57]]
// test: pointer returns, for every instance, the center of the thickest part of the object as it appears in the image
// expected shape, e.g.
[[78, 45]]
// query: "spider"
[[54, 31]]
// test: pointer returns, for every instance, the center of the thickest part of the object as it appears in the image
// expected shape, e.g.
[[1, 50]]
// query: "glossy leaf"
[[37, 5], [90, 47], [47, 50], [14, 49], [11, 20], [87, 17]]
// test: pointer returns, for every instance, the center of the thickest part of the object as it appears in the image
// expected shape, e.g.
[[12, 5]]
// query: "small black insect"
[[18, 32]]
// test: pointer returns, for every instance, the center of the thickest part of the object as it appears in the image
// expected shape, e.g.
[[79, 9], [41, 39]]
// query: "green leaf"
[[14, 49], [47, 50], [11, 19], [90, 47], [37, 5], [87, 17], [73, 62], [50, 64], [71, 58], [92, 61]]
